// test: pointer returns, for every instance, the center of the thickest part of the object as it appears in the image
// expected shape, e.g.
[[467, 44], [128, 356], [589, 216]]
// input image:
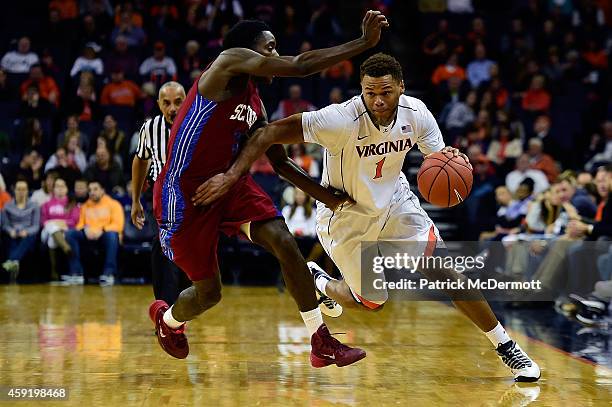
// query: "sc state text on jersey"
[[244, 113]]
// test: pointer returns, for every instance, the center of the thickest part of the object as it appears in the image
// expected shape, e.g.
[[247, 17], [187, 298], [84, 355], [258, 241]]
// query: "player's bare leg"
[[193, 301], [170, 321], [276, 238]]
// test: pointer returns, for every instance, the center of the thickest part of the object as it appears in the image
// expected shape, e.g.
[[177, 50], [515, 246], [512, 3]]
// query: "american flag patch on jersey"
[[406, 129]]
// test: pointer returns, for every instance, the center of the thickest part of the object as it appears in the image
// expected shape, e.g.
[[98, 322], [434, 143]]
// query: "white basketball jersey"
[[363, 159]]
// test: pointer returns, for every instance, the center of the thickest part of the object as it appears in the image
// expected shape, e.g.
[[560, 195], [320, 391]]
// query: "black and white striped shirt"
[[153, 143]]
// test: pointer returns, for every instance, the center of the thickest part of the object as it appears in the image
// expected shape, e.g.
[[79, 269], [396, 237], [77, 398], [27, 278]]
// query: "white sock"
[[170, 321], [312, 319], [498, 335], [321, 282]]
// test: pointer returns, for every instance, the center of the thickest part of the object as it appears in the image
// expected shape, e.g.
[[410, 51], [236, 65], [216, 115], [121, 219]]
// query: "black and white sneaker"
[[327, 305], [523, 368], [591, 310]]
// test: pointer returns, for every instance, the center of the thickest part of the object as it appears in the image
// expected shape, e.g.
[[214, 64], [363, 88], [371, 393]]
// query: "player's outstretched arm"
[[289, 170], [285, 131], [246, 61], [139, 173]]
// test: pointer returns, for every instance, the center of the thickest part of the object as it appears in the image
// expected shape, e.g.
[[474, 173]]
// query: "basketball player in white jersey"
[[366, 140]]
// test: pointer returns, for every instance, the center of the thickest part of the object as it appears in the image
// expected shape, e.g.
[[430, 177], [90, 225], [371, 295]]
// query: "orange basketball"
[[444, 180]]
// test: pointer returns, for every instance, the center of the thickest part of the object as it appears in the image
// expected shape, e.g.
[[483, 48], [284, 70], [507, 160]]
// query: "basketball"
[[444, 180]]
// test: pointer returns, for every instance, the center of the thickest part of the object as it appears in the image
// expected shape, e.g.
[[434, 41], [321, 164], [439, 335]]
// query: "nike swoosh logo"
[[162, 334], [459, 198], [328, 356], [361, 138]]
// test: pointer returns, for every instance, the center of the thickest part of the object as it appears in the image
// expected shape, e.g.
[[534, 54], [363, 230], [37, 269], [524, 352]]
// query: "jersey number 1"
[[379, 166]]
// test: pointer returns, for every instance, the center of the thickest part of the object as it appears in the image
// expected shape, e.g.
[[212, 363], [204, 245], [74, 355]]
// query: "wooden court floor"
[[252, 350]]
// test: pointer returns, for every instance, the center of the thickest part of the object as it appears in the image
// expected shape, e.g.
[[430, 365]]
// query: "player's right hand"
[[372, 24], [138, 217]]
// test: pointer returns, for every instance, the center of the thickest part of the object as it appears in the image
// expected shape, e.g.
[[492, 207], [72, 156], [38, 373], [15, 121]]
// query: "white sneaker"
[[106, 281], [327, 305], [72, 280], [523, 368]]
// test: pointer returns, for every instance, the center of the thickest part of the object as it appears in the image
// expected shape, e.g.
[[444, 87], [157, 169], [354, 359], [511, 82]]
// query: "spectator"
[[84, 105], [30, 168], [81, 191], [57, 216], [297, 152], [335, 95], [479, 70], [126, 11], [43, 194], [68, 9], [58, 162], [100, 224], [504, 146], [20, 61], [294, 104], [47, 87], [89, 61], [536, 99], [115, 139], [158, 68], [121, 59], [5, 197], [75, 157], [8, 93], [20, 223], [120, 92], [441, 43], [35, 107], [72, 130], [460, 114], [522, 171], [544, 215], [300, 216], [449, 70], [105, 170], [32, 136], [134, 35], [578, 197], [540, 161], [191, 61]]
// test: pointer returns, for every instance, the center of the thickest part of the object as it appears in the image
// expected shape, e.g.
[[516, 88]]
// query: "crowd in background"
[[521, 86]]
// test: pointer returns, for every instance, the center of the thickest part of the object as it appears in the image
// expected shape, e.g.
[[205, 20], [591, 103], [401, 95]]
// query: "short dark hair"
[[529, 183], [380, 65], [244, 34]]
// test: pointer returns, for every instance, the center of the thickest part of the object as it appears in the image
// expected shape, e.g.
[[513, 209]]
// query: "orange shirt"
[[341, 70], [46, 86], [597, 59], [105, 215], [536, 100], [68, 9], [442, 73], [5, 198], [124, 93]]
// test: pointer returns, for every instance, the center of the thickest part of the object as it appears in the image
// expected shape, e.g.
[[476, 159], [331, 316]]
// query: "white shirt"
[[84, 64], [152, 66], [299, 221], [514, 178], [14, 62], [361, 159]]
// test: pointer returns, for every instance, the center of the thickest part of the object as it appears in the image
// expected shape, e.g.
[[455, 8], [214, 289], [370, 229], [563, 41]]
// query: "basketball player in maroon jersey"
[[221, 107]]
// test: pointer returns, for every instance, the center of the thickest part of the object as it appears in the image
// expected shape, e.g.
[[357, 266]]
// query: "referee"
[[168, 279]]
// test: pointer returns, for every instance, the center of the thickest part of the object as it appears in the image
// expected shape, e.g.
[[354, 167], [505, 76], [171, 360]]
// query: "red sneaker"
[[327, 350], [173, 341]]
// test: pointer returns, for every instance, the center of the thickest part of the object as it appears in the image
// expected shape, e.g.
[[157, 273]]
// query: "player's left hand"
[[456, 153], [341, 199], [212, 189]]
